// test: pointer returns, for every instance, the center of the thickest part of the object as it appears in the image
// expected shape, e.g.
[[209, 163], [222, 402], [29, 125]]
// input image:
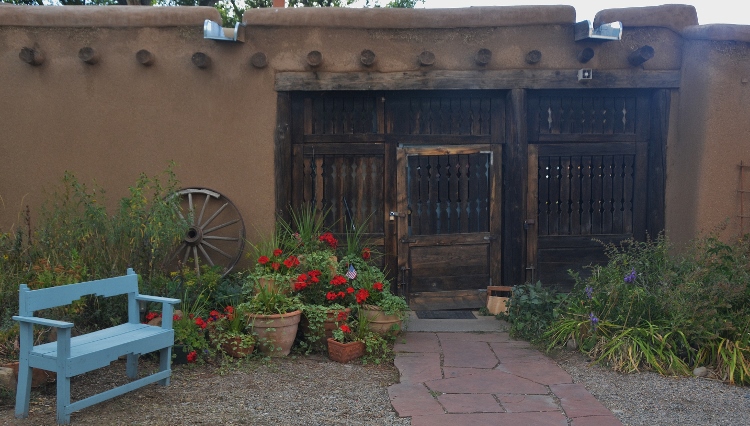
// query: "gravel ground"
[[312, 390]]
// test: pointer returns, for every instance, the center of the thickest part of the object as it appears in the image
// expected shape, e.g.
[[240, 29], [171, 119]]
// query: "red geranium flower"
[[378, 286], [366, 253], [341, 316], [362, 295], [350, 290], [275, 266], [277, 252], [263, 260], [338, 280], [175, 317], [192, 356], [229, 309], [345, 328], [151, 315], [291, 261], [331, 295]]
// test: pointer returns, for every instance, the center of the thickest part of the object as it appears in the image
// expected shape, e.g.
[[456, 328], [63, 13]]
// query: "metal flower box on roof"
[[585, 30]]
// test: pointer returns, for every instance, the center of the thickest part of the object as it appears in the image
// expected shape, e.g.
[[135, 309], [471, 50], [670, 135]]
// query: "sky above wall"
[[709, 11]]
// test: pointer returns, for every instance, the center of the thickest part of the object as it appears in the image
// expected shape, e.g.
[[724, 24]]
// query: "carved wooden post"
[[641, 55], [88, 55], [144, 57], [367, 57], [483, 57], [533, 57], [259, 60], [201, 60], [31, 56], [585, 55]]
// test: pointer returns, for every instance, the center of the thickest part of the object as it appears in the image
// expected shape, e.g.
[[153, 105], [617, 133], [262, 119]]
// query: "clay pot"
[[275, 334], [379, 322], [345, 352], [231, 346]]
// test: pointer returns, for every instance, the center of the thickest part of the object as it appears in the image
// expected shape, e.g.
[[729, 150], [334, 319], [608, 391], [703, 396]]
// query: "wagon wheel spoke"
[[200, 208]]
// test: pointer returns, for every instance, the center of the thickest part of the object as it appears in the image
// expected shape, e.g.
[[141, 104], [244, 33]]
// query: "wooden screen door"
[[446, 217]]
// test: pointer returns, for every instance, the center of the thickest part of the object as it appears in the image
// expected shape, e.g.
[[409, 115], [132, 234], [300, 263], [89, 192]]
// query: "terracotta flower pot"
[[275, 333], [379, 322], [345, 352], [329, 324], [231, 346]]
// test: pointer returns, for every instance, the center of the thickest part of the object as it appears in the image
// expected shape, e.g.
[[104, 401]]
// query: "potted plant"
[[189, 337], [384, 311], [273, 316], [347, 342], [229, 332]]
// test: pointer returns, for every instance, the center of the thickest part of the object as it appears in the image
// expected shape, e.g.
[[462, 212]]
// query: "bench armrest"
[[157, 299], [44, 321]]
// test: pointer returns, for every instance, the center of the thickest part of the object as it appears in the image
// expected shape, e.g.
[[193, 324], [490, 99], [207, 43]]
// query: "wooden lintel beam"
[[448, 80]]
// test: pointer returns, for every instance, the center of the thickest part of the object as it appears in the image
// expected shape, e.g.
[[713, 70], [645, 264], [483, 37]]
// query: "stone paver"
[[494, 419], [459, 353], [466, 379], [576, 401], [418, 367], [491, 381], [524, 403], [413, 400], [417, 342], [469, 403]]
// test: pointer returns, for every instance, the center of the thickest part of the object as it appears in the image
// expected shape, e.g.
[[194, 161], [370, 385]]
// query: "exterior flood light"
[[213, 30], [585, 30]]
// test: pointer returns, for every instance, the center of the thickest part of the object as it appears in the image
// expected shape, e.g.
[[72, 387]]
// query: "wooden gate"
[[382, 155], [587, 182]]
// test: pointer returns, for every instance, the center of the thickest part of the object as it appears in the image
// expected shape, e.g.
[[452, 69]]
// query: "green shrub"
[[531, 310]]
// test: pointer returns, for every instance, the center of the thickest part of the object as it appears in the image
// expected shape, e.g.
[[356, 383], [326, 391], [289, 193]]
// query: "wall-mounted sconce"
[[585, 30], [314, 58], [88, 55], [585, 55], [31, 56], [533, 57], [426, 58], [483, 57], [201, 60], [145, 58], [259, 60], [367, 57], [643, 54], [213, 30]]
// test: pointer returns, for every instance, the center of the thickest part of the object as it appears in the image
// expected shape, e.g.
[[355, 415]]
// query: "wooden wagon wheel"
[[216, 232]]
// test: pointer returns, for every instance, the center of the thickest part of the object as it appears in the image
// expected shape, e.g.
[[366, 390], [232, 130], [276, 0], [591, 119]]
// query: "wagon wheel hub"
[[193, 236]]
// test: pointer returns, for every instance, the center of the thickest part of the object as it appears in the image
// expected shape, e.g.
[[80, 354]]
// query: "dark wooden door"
[[587, 178], [445, 227]]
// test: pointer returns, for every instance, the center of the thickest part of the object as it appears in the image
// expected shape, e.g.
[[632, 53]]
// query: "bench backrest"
[[30, 301]]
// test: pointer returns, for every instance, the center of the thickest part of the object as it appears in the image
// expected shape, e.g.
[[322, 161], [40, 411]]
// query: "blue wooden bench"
[[69, 357]]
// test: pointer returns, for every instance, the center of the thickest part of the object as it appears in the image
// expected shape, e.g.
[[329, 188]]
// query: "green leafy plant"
[[269, 300], [531, 310], [228, 330]]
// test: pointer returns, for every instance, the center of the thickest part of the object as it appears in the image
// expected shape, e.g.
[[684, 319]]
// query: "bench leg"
[[132, 366], [63, 399], [165, 360], [23, 389]]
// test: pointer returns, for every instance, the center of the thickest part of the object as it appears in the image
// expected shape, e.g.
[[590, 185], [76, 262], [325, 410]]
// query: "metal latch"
[[528, 223], [394, 215]]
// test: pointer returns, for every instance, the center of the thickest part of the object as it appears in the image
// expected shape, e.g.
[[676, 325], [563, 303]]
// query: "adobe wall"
[[110, 121], [713, 134]]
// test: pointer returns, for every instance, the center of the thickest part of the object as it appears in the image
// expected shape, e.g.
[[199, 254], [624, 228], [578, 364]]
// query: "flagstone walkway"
[[464, 378]]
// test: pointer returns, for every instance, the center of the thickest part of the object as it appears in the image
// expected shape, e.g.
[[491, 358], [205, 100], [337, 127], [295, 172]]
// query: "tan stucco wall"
[[110, 121], [712, 135]]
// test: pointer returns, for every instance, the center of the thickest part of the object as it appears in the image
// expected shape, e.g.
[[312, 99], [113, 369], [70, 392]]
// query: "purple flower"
[[629, 278], [589, 291], [594, 320]]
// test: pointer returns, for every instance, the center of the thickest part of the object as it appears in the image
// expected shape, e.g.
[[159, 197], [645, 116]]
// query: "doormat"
[[445, 315]]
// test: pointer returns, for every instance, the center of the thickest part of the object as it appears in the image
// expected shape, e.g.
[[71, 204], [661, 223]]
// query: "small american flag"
[[351, 273]]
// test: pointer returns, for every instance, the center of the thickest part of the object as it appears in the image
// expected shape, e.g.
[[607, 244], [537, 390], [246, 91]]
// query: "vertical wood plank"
[[532, 209], [565, 202], [617, 194], [575, 195], [628, 182], [283, 153], [596, 194], [607, 195], [483, 191], [587, 199], [659, 131], [402, 221], [496, 209], [454, 193], [514, 243], [554, 196], [640, 191], [390, 192], [434, 184], [465, 174], [307, 110], [497, 122]]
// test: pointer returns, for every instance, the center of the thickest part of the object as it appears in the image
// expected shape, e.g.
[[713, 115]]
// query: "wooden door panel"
[[446, 268]]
